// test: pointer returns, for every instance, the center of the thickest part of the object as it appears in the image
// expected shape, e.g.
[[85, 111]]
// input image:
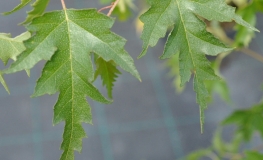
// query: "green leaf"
[[218, 10], [173, 65], [12, 47], [20, 6], [248, 121], [253, 155], [157, 19], [39, 8], [108, 72], [4, 83], [219, 87], [244, 35], [73, 34], [189, 37], [222, 147], [196, 155]]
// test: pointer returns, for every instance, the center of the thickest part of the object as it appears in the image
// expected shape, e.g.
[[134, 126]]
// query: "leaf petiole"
[[63, 5]]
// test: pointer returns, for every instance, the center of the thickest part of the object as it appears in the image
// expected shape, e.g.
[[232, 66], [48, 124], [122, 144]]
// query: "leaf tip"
[[143, 53], [4, 83]]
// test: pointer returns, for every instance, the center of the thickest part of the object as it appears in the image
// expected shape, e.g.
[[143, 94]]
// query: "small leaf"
[[4, 83], [39, 8], [244, 35], [108, 72], [20, 6], [196, 155], [253, 155], [12, 47], [248, 121]]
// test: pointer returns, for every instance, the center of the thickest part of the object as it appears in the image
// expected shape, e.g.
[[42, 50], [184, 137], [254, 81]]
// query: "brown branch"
[[113, 7], [252, 54], [107, 7], [245, 50], [63, 4]]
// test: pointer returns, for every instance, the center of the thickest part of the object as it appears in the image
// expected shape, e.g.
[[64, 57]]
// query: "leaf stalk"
[[63, 5], [113, 7]]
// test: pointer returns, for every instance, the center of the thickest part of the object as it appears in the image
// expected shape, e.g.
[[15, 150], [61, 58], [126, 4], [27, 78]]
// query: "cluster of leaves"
[[69, 40]]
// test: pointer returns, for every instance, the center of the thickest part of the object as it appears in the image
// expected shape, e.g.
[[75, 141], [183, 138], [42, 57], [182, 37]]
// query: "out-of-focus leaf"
[[248, 121], [173, 65], [253, 155], [219, 87], [196, 155], [248, 13]]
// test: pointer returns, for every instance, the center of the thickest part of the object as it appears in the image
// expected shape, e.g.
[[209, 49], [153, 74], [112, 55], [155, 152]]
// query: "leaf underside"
[[67, 39], [189, 38]]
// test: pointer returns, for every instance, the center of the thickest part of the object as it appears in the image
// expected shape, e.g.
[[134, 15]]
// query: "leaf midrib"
[[101, 40], [158, 21], [71, 67], [185, 31]]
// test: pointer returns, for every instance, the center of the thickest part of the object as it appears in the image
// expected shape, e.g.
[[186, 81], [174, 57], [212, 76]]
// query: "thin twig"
[[63, 5], [107, 7], [252, 54], [113, 7], [247, 51]]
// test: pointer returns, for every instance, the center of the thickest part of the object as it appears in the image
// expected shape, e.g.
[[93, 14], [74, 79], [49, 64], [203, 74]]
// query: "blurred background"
[[148, 120]]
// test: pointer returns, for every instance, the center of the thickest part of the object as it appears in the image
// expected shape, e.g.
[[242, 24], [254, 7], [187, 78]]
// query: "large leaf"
[[74, 34], [189, 37]]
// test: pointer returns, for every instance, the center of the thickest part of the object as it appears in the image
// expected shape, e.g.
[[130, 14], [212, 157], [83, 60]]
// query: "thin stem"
[[63, 5], [113, 7], [252, 54], [107, 7], [246, 51]]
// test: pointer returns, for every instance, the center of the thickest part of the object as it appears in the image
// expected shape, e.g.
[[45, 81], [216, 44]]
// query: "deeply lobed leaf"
[[39, 8], [189, 37], [67, 38]]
